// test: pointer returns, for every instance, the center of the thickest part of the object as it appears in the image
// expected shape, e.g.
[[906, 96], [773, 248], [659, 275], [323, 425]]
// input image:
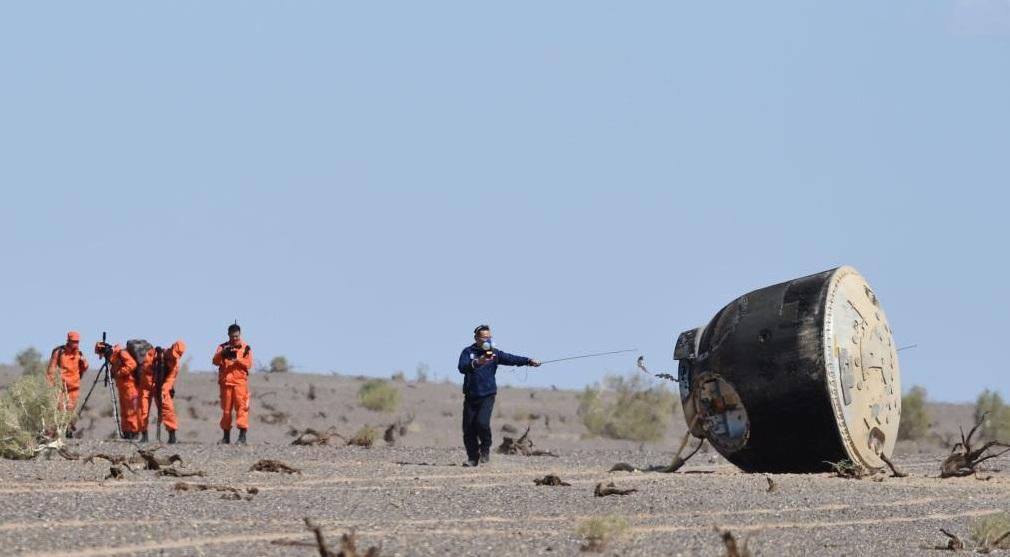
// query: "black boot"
[[241, 437], [143, 436], [226, 440], [171, 437]]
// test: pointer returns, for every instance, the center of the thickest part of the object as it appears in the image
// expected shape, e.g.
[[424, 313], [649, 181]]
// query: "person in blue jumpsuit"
[[478, 363]]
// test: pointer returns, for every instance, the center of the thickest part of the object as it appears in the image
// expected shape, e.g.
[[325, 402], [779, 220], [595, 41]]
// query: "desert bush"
[[996, 423], [30, 416], [279, 364], [421, 374], [914, 422], [992, 531], [379, 396], [601, 530], [635, 411], [365, 437], [30, 361], [399, 377]]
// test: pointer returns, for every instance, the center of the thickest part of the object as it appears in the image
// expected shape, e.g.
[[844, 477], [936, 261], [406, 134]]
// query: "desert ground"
[[412, 497]]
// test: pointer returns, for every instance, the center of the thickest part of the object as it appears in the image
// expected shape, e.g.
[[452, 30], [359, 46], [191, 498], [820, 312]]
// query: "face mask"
[[488, 345]]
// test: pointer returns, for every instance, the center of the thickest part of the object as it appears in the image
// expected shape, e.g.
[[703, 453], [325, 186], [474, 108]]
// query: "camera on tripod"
[[103, 349]]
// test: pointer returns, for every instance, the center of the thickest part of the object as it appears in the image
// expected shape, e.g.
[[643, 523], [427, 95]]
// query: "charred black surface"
[[768, 345]]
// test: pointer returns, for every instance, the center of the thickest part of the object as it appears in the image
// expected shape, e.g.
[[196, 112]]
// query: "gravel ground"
[[413, 498]]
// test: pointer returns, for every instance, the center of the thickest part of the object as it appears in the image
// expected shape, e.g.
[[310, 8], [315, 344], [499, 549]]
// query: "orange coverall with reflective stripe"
[[72, 365], [233, 379], [123, 365], [172, 359]]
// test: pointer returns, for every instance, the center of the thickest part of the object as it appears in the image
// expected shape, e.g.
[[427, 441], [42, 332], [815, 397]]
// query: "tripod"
[[105, 373]]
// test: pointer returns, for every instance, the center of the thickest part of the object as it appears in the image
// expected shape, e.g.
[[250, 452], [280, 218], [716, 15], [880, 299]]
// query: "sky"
[[361, 184]]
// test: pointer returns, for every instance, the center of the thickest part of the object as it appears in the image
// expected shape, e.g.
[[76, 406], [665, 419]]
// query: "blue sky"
[[361, 184]]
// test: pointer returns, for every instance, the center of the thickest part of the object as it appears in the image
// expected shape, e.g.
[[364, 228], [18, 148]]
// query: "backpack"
[[138, 348]]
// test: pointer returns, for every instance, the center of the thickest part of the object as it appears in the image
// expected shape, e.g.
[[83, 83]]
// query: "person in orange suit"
[[71, 364], [234, 359], [168, 362], [123, 365]]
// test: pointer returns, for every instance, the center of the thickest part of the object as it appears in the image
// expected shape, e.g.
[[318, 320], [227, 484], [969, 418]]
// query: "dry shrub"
[[365, 437], [279, 365], [30, 361], [379, 396], [30, 418], [992, 531], [635, 411], [399, 377], [599, 531], [993, 414], [914, 424]]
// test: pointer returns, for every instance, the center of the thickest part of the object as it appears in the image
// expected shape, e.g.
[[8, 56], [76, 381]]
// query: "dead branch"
[[229, 493], [996, 543], [732, 549], [551, 480], [274, 466], [895, 472], [68, 454], [176, 473], [399, 428], [113, 459], [954, 543], [312, 437], [522, 446], [183, 486], [964, 460], [348, 547], [152, 462], [674, 466], [772, 487], [610, 489], [680, 462]]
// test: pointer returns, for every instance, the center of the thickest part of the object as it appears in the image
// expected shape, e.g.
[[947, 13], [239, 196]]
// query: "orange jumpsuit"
[[171, 359], [233, 379], [123, 366], [72, 365]]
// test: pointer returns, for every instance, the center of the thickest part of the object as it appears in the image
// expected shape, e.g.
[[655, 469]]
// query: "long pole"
[[565, 359]]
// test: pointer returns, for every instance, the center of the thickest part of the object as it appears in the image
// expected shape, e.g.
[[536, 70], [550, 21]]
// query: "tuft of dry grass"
[[378, 396], [600, 531], [365, 437], [992, 531], [31, 417]]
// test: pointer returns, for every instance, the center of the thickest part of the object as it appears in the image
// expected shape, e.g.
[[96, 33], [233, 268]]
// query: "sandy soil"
[[412, 498]]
